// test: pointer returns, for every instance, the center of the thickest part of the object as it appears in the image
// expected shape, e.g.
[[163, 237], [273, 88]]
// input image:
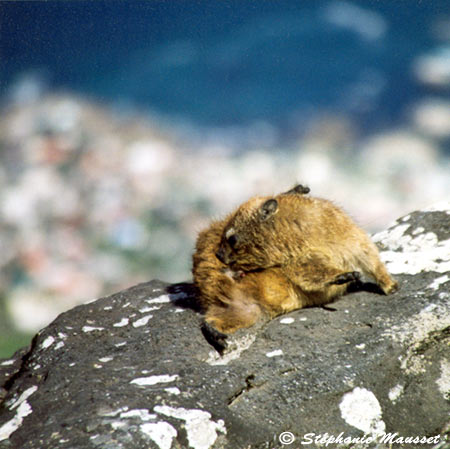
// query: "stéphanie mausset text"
[[387, 438]]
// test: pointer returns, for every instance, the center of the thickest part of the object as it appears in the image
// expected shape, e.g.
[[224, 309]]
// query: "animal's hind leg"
[[233, 316], [383, 278], [370, 263], [223, 318], [316, 275]]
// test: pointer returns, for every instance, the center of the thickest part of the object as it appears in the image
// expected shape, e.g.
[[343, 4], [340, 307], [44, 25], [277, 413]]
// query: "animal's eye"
[[232, 240]]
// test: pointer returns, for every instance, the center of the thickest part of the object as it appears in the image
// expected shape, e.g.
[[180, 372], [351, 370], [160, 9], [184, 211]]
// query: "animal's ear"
[[268, 209]]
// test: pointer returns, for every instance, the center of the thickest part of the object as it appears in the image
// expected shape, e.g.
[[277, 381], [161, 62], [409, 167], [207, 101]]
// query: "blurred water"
[[229, 63]]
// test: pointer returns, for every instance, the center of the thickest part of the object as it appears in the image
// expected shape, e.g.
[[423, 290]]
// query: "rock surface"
[[133, 370]]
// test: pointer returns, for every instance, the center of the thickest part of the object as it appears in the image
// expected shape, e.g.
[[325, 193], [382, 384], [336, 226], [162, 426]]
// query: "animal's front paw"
[[215, 338], [235, 275]]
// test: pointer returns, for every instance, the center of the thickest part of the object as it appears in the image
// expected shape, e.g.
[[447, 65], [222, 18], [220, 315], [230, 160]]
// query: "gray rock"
[[133, 370]]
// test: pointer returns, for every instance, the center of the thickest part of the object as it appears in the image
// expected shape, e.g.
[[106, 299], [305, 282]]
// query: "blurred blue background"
[[126, 126], [233, 62]]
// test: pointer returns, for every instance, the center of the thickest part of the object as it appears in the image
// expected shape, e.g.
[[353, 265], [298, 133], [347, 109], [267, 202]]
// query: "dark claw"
[[298, 189], [214, 337], [345, 278], [365, 287]]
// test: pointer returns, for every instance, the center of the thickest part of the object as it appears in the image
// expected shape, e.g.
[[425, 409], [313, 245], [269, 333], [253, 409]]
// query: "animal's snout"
[[220, 254], [224, 254]]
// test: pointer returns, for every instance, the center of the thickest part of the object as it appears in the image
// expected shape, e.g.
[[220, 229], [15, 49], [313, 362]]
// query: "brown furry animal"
[[277, 254]]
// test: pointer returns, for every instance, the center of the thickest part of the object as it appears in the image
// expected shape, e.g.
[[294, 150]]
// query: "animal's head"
[[244, 243]]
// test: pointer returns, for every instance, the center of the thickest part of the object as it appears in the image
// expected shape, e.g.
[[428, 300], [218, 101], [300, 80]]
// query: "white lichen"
[[118, 425], [23, 409], [142, 321], [287, 320], [173, 390], [123, 322], [201, 430], [8, 362], [416, 331], [444, 380], [92, 328], [13, 424], [23, 397], [360, 408], [161, 432], [107, 412], [147, 309], [275, 353], [141, 413], [418, 230], [438, 282], [47, 342], [395, 393], [413, 254], [390, 237], [159, 299], [153, 380]]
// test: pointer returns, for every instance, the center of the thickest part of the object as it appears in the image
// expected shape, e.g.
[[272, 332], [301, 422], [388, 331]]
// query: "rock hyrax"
[[277, 254]]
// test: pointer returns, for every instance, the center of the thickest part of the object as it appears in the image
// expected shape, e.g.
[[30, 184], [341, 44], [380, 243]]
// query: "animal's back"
[[310, 237]]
